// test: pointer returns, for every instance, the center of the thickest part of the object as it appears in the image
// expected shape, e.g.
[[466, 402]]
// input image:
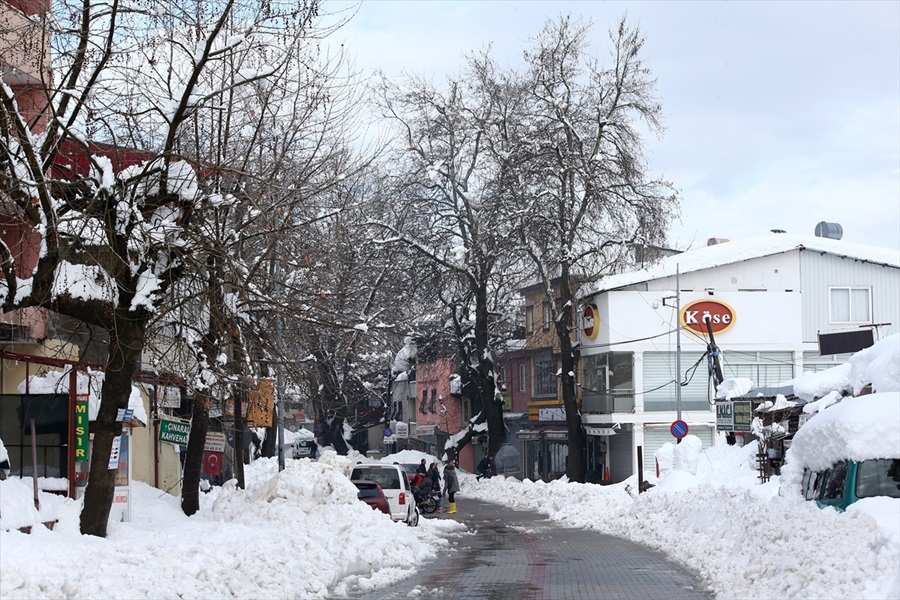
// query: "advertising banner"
[[82, 403]]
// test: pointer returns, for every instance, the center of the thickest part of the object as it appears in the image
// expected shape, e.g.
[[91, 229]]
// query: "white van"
[[395, 485]]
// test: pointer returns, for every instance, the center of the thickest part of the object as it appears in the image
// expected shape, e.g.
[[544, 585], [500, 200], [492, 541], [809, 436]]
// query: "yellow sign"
[[262, 403]]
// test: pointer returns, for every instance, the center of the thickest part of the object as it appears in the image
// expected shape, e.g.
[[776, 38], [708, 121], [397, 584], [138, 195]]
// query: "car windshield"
[[388, 479], [368, 491], [879, 477]]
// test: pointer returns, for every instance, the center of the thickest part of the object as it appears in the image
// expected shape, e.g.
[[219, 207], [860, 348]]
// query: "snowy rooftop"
[[708, 257]]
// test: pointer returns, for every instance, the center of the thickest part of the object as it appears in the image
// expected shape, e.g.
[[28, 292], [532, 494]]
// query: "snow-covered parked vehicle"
[[846, 453]]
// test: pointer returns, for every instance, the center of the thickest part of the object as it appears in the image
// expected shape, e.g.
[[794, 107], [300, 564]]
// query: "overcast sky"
[[778, 114]]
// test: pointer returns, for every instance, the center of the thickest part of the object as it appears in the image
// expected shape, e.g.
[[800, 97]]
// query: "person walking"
[[435, 477], [451, 486]]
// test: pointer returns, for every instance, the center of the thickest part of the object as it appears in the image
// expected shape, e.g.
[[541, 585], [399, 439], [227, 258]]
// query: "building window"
[[432, 408], [529, 320], [501, 378], [850, 304], [544, 376], [547, 319], [424, 403], [607, 382], [522, 377]]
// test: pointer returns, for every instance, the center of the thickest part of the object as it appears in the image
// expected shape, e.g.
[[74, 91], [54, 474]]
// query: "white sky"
[[779, 114]]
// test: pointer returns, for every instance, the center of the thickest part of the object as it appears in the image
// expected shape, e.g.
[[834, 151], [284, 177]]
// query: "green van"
[[847, 481]]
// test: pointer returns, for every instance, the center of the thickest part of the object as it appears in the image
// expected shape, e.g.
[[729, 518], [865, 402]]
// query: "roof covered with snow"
[[709, 257]]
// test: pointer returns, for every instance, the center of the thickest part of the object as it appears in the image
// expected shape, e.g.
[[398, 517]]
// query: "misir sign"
[[695, 315]]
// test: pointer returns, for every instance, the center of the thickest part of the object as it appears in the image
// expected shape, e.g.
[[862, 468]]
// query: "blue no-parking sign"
[[679, 429]]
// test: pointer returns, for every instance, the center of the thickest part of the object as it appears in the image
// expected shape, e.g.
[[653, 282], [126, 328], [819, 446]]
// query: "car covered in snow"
[[847, 452]]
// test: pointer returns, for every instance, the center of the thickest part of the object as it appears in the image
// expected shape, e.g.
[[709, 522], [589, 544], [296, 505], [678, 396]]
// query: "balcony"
[[613, 401]]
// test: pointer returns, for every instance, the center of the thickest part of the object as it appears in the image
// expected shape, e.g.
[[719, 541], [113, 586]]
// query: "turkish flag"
[[212, 463]]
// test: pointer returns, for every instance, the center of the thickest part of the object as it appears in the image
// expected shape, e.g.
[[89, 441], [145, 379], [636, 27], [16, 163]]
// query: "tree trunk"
[[575, 460], [193, 459], [491, 406], [125, 343]]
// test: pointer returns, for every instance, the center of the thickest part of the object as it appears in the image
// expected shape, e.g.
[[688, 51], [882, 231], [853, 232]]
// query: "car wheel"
[[413, 519]]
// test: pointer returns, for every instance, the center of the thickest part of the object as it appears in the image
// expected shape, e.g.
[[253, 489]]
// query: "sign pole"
[[678, 342]]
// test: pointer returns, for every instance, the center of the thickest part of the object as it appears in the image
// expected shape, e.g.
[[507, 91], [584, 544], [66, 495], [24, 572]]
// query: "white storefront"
[[768, 299]]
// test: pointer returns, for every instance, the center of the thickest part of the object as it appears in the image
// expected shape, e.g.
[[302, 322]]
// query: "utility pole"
[[279, 325]]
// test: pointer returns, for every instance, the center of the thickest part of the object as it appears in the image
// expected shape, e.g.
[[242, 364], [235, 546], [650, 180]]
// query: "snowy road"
[[520, 555]]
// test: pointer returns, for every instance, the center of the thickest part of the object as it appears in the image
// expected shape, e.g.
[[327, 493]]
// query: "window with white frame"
[[850, 304], [547, 315], [522, 377], [544, 375]]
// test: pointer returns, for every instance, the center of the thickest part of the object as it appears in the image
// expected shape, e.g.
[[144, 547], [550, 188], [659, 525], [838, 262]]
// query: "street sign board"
[[215, 441], [725, 416], [174, 431], [679, 429]]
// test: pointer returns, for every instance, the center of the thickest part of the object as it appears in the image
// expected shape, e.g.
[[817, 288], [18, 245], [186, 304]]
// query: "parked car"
[[372, 494], [847, 452], [410, 469], [847, 481], [395, 485]]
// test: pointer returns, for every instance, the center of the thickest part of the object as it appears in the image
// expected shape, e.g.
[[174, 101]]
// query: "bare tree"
[[455, 218], [574, 157], [116, 229]]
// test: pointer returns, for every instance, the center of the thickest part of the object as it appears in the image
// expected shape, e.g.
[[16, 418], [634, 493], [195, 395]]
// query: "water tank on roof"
[[714, 241], [832, 231]]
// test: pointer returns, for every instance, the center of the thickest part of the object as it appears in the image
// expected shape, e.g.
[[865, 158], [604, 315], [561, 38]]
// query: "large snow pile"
[[300, 533]]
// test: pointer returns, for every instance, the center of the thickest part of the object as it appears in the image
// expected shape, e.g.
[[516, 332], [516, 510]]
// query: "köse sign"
[[694, 316]]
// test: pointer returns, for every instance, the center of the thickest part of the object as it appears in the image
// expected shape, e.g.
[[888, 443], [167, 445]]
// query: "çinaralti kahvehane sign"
[[174, 431]]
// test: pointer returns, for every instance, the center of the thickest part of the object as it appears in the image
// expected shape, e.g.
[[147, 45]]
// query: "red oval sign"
[[694, 316], [590, 321]]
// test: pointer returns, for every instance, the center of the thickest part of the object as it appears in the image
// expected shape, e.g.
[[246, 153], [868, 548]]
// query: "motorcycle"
[[429, 502]]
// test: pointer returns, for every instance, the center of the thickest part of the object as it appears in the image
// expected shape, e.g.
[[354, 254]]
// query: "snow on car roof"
[[862, 428]]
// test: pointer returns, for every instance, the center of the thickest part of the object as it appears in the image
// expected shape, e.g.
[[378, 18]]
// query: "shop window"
[[51, 420], [850, 305]]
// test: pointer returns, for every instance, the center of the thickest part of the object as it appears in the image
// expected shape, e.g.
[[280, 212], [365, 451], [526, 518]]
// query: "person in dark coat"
[[422, 468], [451, 486], [486, 467], [435, 476]]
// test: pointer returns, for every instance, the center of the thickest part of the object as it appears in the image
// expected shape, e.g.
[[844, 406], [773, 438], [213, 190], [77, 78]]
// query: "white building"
[[768, 298]]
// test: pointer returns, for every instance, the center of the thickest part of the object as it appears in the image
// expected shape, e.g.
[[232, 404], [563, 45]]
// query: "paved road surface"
[[520, 555]]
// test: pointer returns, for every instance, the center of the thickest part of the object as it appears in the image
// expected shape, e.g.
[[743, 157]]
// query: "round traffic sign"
[[388, 432], [679, 428]]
